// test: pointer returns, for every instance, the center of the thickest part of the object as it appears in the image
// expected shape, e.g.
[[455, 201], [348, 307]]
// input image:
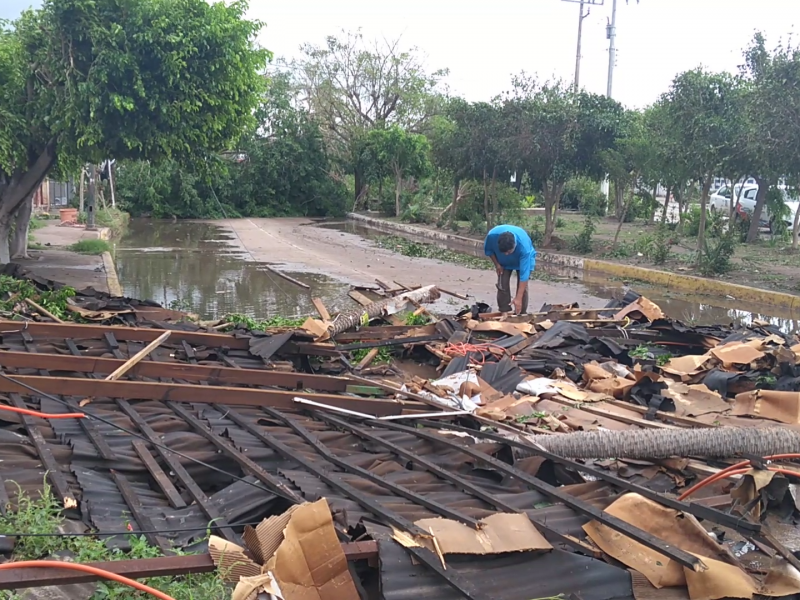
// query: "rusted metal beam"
[[228, 449], [54, 474], [188, 372], [99, 442], [180, 472], [576, 504], [165, 566], [335, 481], [145, 390], [700, 509], [157, 473], [404, 492], [135, 506], [125, 334], [460, 482]]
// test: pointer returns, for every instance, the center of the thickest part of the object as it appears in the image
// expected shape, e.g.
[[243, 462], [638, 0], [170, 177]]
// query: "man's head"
[[506, 243]]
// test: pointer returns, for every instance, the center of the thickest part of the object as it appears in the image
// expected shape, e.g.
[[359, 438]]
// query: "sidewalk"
[[56, 263]]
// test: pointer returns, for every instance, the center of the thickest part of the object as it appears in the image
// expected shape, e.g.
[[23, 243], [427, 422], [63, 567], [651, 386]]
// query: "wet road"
[[217, 268]]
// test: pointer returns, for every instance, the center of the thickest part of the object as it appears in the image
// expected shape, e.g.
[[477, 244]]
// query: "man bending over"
[[511, 249]]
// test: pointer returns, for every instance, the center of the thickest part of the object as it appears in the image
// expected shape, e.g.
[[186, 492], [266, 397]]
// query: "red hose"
[[28, 564], [33, 413], [739, 469]]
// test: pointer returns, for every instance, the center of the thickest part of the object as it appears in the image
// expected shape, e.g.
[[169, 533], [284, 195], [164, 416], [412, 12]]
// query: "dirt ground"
[[292, 242]]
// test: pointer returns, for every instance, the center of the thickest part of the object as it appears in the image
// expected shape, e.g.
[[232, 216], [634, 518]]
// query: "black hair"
[[506, 242]]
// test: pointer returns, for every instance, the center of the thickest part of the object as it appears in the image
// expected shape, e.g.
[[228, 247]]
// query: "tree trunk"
[[666, 207], [761, 199], [701, 234], [19, 248], [552, 197], [493, 194], [625, 208], [619, 199], [359, 185], [486, 211], [398, 187]]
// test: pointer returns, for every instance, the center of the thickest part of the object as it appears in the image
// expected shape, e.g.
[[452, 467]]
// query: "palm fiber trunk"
[[717, 442], [361, 316]]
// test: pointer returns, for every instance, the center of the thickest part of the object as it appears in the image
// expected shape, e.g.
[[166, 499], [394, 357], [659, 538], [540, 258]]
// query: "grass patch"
[[383, 357], [91, 247], [43, 515]]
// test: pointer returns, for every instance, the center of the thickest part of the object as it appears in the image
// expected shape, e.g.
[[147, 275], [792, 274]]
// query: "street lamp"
[[581, 17]]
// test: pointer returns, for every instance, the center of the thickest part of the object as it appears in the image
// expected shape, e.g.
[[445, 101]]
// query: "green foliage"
[[582, 193], [413, 320], [42, 515], [661, 247], [142, 79], [282, 169], [91, 247], [384, 356], [582, 243], [715, 258], [13, 291], [252, 324]]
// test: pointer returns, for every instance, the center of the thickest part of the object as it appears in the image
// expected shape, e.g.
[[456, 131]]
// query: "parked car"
[[746, 195]]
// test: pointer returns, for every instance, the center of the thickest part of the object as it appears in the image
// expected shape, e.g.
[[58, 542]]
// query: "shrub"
[[582, 243], [582, 193], [715, 259]]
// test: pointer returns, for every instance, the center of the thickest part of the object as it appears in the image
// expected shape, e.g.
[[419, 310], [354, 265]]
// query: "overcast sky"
[[484, 42]]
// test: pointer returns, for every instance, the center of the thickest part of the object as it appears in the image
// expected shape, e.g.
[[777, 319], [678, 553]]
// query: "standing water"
[[201, 268]]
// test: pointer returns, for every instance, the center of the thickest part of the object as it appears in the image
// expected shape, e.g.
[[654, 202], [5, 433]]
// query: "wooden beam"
[[145, 390], [188, 372], [164, 566], [287, 278], [125, 334], [137, 358]]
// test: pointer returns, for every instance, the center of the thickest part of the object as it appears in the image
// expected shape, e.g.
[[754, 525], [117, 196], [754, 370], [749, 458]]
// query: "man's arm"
[[488, 250]]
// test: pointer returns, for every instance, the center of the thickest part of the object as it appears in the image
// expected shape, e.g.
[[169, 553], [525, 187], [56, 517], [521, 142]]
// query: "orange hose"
[[739, 469], [33, 413], [463, 349], [28, 564]]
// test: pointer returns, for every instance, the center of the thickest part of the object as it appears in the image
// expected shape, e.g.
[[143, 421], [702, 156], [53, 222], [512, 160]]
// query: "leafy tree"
[[352, 86], [701, 108], [84, 80], [402, 154], [772, 135], [554, 134], [281, 168]]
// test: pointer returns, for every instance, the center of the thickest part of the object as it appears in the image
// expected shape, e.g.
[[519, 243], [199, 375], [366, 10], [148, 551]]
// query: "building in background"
[[53, 195]]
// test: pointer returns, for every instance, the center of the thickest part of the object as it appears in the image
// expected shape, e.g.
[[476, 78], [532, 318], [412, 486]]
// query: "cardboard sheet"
[[676, 529], [738, 353], [310, 563], [686, 365], [644, 307], [249, 588], [501, 326], [613, 386], [231, 561], [695, 400], [501, 532], [769, 404], [264, 540], [721, 580]]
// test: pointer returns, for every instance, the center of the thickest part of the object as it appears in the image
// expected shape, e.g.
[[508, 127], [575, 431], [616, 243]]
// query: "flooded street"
[[217, 268]]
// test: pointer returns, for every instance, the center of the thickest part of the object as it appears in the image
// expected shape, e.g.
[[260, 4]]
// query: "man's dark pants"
[[504, 296]]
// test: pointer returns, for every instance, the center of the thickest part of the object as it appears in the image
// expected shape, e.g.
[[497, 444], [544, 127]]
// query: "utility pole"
[[581, 17], [611, 34]]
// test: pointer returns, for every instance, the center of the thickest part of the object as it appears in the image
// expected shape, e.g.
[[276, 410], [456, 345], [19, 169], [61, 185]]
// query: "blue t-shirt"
[[523, 259]]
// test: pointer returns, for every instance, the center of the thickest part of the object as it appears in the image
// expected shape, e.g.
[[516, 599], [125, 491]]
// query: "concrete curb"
[[675, 281], [114, 288]]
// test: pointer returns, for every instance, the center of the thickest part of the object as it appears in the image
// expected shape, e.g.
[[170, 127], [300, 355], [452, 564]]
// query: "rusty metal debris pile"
[[486, 456]]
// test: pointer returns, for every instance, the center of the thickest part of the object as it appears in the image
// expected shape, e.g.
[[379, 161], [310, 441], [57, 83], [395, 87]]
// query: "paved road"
[[300, 246]]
